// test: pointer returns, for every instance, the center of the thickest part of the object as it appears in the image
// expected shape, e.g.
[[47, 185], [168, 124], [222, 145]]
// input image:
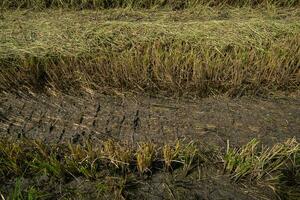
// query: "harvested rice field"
[[149, 99]]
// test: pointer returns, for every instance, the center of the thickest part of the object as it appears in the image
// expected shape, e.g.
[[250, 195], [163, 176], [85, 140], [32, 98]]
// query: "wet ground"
[[161, 186], [213, 120]]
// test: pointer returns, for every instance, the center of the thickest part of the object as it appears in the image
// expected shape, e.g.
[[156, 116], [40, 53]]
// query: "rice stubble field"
[[121, 99]]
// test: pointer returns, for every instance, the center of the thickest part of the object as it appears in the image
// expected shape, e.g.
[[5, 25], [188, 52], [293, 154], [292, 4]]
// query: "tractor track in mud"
[[213, 120]]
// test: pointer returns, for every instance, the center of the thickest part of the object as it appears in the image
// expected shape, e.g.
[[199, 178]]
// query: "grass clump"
[[187, 156], [118, 155], [82, 161], [170, 154], [145, 156], [250, 162], [277, 166]]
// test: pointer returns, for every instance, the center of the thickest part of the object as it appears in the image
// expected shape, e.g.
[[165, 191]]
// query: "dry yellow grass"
[[174, 4], [252, 53], [145, 156]]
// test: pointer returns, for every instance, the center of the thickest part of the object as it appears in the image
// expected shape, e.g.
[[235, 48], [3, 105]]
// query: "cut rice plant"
[[170, 154], [188, 156], [239, 161], [276, 166], [145, 156], [118, 155], [82, 160], [255, 164], [71, 53]]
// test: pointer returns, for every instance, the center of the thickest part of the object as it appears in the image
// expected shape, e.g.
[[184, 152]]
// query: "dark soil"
[[198, 185], [213, 120]]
